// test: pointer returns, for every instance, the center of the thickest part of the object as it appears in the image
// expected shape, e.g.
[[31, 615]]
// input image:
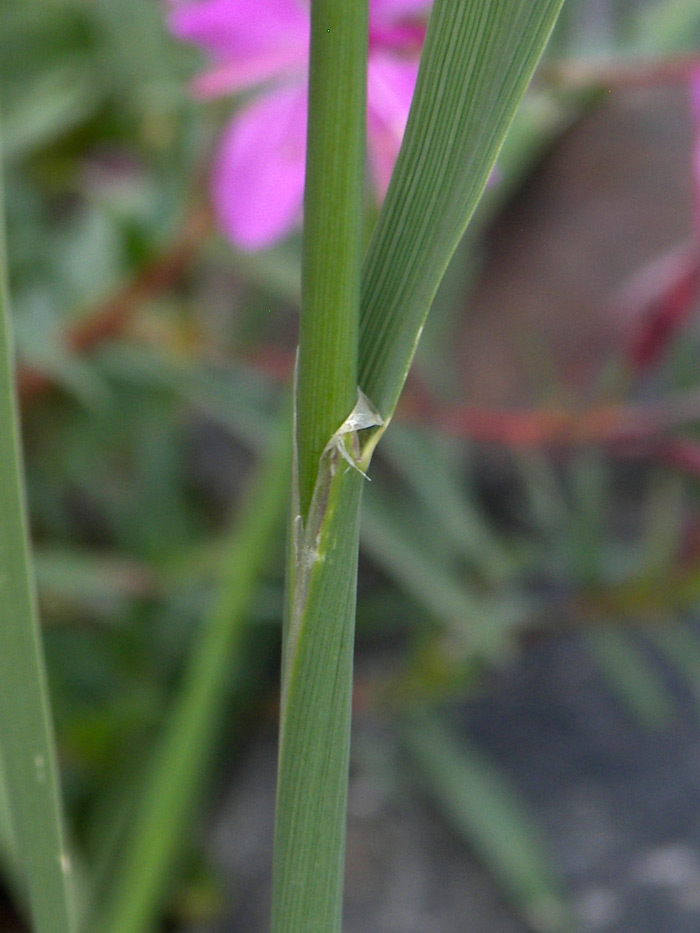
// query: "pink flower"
[[258, 174], [695, 111]]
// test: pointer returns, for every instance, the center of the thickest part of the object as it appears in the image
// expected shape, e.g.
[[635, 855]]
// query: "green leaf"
[[478, 59], [632, 675], [482, 805], [450, 508], [26, 731], [480, 624]]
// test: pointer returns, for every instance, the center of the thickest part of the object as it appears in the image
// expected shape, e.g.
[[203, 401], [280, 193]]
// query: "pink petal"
[[227, 28], [389, 94], [258, 176], [695, 110], [405, 38], [695, 97], [396, 9], [250, 69]]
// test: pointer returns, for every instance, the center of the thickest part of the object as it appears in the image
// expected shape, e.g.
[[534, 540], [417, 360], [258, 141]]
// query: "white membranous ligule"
[[364, 415]]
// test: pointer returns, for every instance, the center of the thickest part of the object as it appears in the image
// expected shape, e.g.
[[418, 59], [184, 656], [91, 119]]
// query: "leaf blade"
[[486, 809], [26, 730], [478, 59]]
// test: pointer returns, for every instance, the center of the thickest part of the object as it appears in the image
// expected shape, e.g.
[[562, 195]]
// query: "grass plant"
[[318, 644], [477, 62], [136, 359]]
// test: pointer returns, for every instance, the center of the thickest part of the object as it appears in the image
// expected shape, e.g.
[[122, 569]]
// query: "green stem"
[[26, 731], [315, 729], [322, 568], [329, 326]]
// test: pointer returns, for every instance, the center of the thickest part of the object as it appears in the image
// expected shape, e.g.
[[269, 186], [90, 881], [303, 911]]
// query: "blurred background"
[[526, 753]]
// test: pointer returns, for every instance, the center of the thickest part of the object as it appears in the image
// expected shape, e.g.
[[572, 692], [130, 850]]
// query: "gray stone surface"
[[619, 805]]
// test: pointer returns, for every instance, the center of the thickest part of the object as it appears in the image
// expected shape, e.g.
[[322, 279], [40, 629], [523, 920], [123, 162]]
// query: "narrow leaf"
[[26, 731], [485, 808], [632, 676], [478, 59]]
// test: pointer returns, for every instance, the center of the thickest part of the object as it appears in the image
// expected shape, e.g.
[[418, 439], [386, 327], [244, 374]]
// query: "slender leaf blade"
[[633, 676], [487, 810], [26, 730], [478, 59]]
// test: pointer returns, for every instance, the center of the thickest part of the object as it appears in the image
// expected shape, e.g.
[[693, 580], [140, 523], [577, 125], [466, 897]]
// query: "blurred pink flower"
[[695, 109], [258, 174], [660, 297]]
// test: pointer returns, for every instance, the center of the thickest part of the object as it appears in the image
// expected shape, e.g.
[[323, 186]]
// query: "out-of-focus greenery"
[[151, 362]]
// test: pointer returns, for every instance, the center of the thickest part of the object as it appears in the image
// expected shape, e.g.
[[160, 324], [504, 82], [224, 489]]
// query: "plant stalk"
[[322, 565], [332, 239]]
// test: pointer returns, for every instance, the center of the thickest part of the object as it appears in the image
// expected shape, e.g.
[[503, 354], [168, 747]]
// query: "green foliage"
[[33, 824], [318, 644], [485, 808], [138, 445], [477, 62], [451, 142]]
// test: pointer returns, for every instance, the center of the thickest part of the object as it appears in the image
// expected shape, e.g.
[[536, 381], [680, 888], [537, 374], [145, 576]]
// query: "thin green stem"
[[329, 326], [322, 568], [315, 727], [26, 731]]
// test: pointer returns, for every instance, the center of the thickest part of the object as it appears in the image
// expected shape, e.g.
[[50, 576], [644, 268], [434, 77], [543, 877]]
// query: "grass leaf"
[[633, 676], [478, 59], [26, 731], [486, 809]]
